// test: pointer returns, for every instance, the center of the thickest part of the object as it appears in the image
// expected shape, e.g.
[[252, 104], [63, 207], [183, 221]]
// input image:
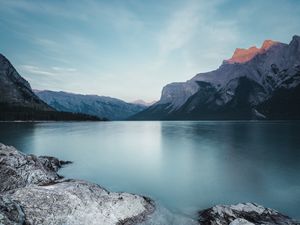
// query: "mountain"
[[19, 102], [255, 83], [142, 102], [111, 108], [15, 90]]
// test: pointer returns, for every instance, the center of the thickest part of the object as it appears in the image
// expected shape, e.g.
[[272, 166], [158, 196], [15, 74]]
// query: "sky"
[[130, 49]]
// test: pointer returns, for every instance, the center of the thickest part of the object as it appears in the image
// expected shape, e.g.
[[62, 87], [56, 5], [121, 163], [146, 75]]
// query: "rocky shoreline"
[[243, 214], [33, 193]]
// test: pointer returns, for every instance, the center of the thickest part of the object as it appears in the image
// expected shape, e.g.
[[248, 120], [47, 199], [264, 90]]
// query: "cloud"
[[53, 71], [60, 69], [90, 45], [53, 77], [180, 28], [198, 35], [36, 70]]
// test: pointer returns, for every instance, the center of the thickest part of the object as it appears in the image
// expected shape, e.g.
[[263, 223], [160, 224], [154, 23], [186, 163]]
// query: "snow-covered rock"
[[243, 214]]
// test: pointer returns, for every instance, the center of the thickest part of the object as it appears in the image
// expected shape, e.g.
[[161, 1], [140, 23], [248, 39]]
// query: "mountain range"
[[19, 102], [255, 83], [142, 102], [102, 106]]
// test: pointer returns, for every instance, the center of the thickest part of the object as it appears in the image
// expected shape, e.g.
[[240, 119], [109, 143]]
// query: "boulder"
[[33, 193], [243, 214]]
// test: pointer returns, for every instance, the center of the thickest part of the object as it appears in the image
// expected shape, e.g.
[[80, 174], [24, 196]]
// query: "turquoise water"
[[186, 166]]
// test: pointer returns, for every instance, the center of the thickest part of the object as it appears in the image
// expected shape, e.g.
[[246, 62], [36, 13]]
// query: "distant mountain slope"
[[111, 108], [19, 102], [142, 102], [254, 83]]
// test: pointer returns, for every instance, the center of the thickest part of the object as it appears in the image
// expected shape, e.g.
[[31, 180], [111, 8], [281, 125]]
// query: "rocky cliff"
[[15, 90], [254, 83], [19, 102]]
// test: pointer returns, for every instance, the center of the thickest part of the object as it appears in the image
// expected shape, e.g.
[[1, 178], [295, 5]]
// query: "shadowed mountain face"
[[111, 108], [15, 91], [254, 83], [19, 102]]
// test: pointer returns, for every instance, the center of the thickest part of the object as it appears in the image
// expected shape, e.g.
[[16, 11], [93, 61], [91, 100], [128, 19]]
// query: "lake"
[[185, 166]]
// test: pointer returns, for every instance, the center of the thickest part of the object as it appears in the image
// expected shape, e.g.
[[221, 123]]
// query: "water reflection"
[[185, 165]]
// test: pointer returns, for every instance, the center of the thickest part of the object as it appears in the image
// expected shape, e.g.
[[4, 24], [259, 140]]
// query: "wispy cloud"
[[196, 33], [36, 70], [60, 69], [52, 71], [89, 46], [180, 28]]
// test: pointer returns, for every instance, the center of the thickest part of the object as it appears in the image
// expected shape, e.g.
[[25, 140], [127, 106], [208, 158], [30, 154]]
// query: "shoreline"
[[37, 195]]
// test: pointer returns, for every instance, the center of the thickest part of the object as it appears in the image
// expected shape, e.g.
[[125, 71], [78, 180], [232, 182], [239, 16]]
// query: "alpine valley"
[[19, 102], [256, 83], [102, 106]]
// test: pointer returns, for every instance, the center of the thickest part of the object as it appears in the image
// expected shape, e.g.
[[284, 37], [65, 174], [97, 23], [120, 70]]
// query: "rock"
[[19, 170], [32, 193], [10, 212], [243, 214], [15, 90], [79, 202], [244, 83], [241, 222], [19, 102], [244, 55]]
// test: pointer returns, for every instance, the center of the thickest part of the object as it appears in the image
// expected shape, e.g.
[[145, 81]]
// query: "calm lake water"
[[185, 166]]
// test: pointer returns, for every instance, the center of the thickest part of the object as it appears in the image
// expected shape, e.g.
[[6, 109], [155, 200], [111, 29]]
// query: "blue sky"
[[130, 49]]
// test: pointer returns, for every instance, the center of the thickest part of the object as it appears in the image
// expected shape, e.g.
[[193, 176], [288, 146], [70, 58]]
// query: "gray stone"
[[32, 192], [243, 214], [19, 170], [10, 212]]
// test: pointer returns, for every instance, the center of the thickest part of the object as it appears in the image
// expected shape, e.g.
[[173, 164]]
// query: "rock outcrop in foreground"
[[243, 214], [32, 193]]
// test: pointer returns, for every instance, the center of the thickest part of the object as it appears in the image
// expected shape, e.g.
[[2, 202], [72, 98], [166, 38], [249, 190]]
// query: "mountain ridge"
[[19, 102], [142, 102], [95, 105], [15, 90], [242, 55], [218, 94]]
